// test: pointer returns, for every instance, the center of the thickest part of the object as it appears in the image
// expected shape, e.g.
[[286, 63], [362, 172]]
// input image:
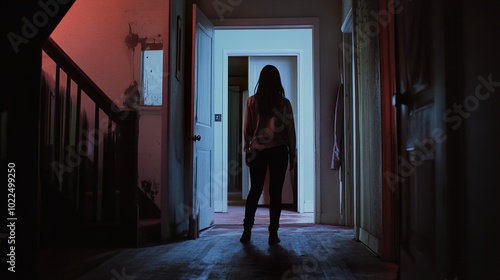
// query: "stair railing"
[[89, 149]]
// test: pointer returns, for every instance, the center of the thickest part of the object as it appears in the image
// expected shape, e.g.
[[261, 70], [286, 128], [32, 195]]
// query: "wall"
[[329, 14], [149, 143], [369, 126], [93, 34]]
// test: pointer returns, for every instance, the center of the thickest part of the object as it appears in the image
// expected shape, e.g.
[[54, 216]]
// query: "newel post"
[[129, 135]]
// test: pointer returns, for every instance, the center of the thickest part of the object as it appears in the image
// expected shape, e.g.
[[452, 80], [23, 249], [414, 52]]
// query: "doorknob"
[[196, 138]]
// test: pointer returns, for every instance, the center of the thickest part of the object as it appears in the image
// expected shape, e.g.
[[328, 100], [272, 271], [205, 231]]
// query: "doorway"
[[243, 73], [262, 46]]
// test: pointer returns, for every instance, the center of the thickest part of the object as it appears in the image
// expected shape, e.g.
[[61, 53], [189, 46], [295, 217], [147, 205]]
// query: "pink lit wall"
[[94, 33]]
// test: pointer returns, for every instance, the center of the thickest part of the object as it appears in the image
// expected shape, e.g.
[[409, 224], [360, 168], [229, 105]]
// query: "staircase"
[[89, 190]]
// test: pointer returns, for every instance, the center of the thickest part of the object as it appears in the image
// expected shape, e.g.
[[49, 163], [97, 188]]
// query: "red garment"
[[277, 130]]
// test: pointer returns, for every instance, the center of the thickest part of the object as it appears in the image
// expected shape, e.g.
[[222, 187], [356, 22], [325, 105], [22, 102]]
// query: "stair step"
[[149, 222]]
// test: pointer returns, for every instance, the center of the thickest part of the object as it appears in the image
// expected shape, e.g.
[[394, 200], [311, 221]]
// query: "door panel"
[[202, 137]]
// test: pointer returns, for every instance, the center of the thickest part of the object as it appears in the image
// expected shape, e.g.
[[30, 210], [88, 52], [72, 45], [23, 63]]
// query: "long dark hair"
[[269, 90]]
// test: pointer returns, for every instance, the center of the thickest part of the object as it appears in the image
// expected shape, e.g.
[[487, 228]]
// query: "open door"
[[431, 173], [201, 123], [420, 103], [415, 107]]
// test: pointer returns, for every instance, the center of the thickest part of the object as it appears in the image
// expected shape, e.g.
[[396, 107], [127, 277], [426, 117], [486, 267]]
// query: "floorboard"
[[235, 215], [306, 251]]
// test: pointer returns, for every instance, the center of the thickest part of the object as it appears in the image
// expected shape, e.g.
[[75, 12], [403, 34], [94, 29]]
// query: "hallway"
[[305, 252]]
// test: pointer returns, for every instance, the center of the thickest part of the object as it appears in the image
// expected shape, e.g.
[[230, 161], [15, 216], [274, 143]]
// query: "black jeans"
[[277, 160]]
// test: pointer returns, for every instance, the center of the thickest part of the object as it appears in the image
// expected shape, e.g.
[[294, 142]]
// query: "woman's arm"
[[290, 135]]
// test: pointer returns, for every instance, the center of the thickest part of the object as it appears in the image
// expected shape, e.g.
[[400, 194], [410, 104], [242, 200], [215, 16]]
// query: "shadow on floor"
[[305, 252]]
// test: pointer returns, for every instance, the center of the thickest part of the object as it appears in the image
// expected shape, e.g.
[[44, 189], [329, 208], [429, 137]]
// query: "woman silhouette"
[[269, 132]]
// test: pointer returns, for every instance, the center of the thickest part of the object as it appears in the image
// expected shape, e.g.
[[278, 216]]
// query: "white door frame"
[[286, 23]]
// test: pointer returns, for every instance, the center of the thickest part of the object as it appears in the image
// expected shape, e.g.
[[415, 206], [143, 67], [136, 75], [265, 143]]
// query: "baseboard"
[[369, 240]]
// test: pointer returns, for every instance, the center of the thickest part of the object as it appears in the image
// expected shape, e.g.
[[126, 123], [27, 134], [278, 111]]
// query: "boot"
[[247, 231], [246, 236], [273, 237]]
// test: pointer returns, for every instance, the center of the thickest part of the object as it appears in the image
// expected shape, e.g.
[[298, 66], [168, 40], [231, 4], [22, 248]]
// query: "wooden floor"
[[306, 251], [236, 213]]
